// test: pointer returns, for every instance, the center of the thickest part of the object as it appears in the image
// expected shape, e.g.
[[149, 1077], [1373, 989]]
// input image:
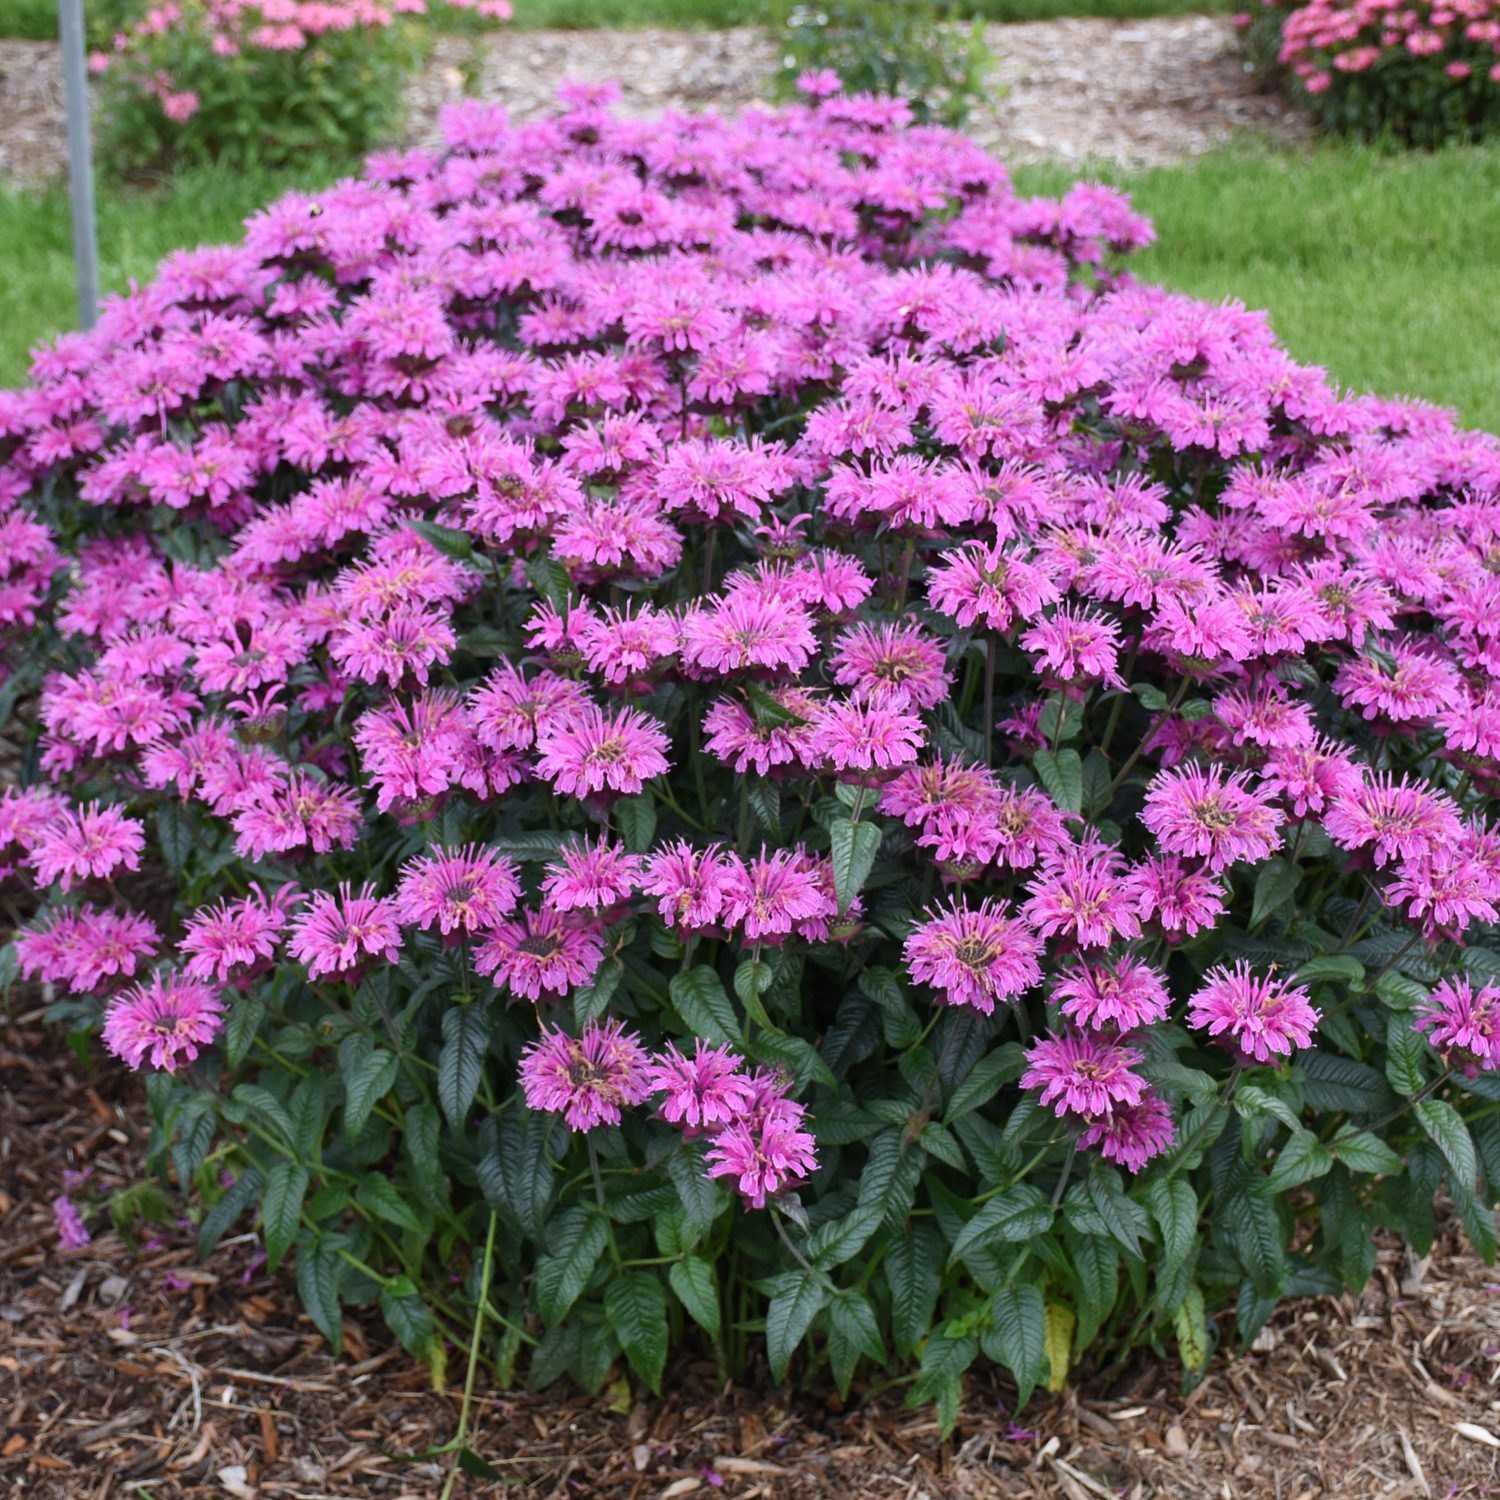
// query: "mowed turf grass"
[[1380, 267]]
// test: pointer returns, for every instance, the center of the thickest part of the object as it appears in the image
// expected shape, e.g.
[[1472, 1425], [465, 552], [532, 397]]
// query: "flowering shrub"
[[1423, 73], [914, 49], [683, 723], [257, 82]]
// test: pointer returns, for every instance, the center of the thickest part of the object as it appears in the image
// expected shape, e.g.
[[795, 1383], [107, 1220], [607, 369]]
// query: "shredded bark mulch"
[[128, 1369]]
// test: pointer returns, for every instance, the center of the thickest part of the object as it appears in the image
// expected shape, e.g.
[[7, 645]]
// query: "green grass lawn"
[[1381, 268]]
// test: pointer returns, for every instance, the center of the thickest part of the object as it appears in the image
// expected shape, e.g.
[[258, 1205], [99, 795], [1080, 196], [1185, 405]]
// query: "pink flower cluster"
[[1323, 38], [691, 498], [755, 1133]]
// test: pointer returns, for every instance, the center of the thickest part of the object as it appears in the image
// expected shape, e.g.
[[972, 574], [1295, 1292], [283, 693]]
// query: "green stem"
[[480, 1309]]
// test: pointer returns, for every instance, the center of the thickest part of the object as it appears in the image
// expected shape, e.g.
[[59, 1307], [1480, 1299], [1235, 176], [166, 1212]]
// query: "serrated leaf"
[[1191, 1326], [944, 1360], [1018, 1214], [990, 1074], [635, 1303], [448, 540], [281, 1208], [466, 1038], [378, 1194], [1362, 1152], [367, 1081], [1300, 1160], [1174, 1205], [1405, 1054], [240, 1029], [1018, 1337], [841, 1239], [854, 847], [699, 998], [1275, 882], [853, 1334], [636, 817], [174, 835], [789, 1317], [406, 1315], [575, 1240], [912, 1274], [245, 1190], [693, 1281], [1061, 773], [318, 1287], [1447, 1131]]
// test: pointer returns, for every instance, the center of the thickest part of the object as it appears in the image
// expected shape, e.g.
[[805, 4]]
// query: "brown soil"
[[133, 1371]]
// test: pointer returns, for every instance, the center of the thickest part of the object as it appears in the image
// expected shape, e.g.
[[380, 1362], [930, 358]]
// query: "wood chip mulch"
[[130, 1370]]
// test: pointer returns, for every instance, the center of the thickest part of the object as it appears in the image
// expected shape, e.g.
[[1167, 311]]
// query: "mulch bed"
[[133, 1371]]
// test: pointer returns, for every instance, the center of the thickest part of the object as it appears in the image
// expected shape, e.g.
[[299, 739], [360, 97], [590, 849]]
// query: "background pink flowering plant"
[[256, 82], [1422, 73], [731, 713]]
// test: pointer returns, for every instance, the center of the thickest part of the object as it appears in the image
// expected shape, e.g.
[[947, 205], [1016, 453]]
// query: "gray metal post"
[[80, 159]]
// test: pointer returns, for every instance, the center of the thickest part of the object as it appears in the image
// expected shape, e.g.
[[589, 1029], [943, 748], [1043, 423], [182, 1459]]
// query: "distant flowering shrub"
[[1422, 73], [646, 724], [257, 82]]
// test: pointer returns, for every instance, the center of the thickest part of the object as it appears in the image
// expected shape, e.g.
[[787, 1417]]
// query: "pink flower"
[[1463, 1023], [771, 893], [586, 1079], [1084, 1074], [891, 666], [81, 949], [336, 934], [765, 1155], [1131, 1134], [468, 890], [91, 843], [236, 935], [1083, 892], [591, 877], [539, 952], [974, 956], [1181, 899], [691, 884], [1259, 1016], [866, 737], [1076, 644], [163, 1021], [1122, 995], [704, 1091], [1197, 811], [745, 632], [594, 751]]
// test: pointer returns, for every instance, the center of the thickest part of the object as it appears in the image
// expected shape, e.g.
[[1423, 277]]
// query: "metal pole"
[[80, 159]]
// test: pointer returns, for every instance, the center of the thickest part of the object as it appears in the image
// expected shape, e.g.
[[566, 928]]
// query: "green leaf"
[[752, 979], [1333, 1082], [635, 1303], [1275, 882], [1151, 697], [1405, 1054], [841, 1239], [985, 1079], [636, 817], [1016, 1215], [1303, 1158], [175, 835], [253, 1100], [240, 1029], [245, 1190], [853, 1334], [466, 1037], [1061, 772], [944, 1360], [575, 1240], [1018, 1337], [406, 1315], [855, 846], [1447, 1131], [698, 1194], [912, 1274], [1174, 1205], [1342, 966], [693, 1281], [789, 1317], [318, 1278], [1362, 1152], [699, 999], [448, 540], [1122, 1217], [367, 1080], [281, 1208], [378, 1194]]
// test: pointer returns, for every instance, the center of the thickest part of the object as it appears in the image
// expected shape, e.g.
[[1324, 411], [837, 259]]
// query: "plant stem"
[[474, 1343]]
